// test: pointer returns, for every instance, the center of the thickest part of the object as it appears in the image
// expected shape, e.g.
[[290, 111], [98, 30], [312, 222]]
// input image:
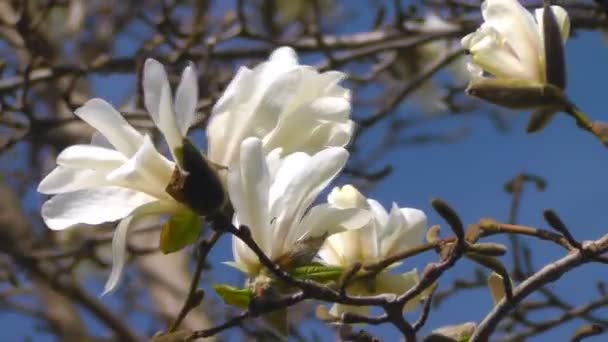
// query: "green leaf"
[[180, 231], [233, 295], [317, 272]]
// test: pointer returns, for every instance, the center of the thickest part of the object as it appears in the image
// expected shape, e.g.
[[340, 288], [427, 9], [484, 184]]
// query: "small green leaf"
[[180, 231], [233, 295], [317, 272]]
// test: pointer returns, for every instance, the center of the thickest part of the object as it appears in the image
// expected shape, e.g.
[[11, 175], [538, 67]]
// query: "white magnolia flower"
[[121, 175], [386, 234], [510, 42], [285, 104], [430, 95], [273, 197]]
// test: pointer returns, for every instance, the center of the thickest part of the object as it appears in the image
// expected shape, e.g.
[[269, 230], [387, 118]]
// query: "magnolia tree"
[[227, 193]]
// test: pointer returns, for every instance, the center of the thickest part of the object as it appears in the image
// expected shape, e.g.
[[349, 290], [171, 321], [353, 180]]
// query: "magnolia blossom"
[[120, 175], [283, 103], [430, 96], [273, 197], [386, 234], [510, 42]]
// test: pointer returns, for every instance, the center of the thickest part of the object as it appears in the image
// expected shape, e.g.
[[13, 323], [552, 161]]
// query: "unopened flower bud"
[[196, 183]]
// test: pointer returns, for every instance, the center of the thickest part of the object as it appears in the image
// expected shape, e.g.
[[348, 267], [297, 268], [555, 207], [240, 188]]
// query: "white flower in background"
[[510, 42], [121, 175], [386, 234], [430, 95], [273, 197], [285, 104]]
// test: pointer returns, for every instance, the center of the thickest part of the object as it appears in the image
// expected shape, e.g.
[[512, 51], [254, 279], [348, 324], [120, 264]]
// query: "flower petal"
[[379, 212], [167, 121], [109, 122], [398, 284], [154, 80], [90, 157], [119, 240], [91, 206], [248, 186], [325, 219], [304, 182], [518, 28], [62, 179], [148, 163], [404, 230], [186, 98]]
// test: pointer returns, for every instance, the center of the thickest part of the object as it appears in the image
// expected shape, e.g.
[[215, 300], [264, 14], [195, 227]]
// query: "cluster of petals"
[[509, 44], [386, 234], [279, 128], [120, 175]]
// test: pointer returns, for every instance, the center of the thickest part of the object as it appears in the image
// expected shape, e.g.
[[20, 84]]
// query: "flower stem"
[[584, 122]]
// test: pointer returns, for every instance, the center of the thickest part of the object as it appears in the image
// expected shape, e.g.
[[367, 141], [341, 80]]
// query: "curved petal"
[[63, 179], [153, 81], [186, 98], [398, 284], [346, 196], [239, 85], [351, 246], [167, 122], [519, 29], [325, 219], [109, 122], [248, 187], [489, 51], [147, 162], [119, 240], [90, 157], [91, 206], [305, 182], [379, 212], [289, 129], [405, 229], [98, 139]]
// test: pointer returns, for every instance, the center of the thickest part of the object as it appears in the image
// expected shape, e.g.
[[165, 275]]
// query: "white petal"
[[148, 163], [284, 56], [248, 187], [307, 181], [244, 257], [405, 229], [98, 139], [167, 121], [379, 212], [398, 284], [489, 52], [241, 85], [63, 179], [90, 157], [294, 129], [346, 196], [186, 98], [92, 206], [517, 26], [154, 80], [119, 240], [109, 122], [325, 219]]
